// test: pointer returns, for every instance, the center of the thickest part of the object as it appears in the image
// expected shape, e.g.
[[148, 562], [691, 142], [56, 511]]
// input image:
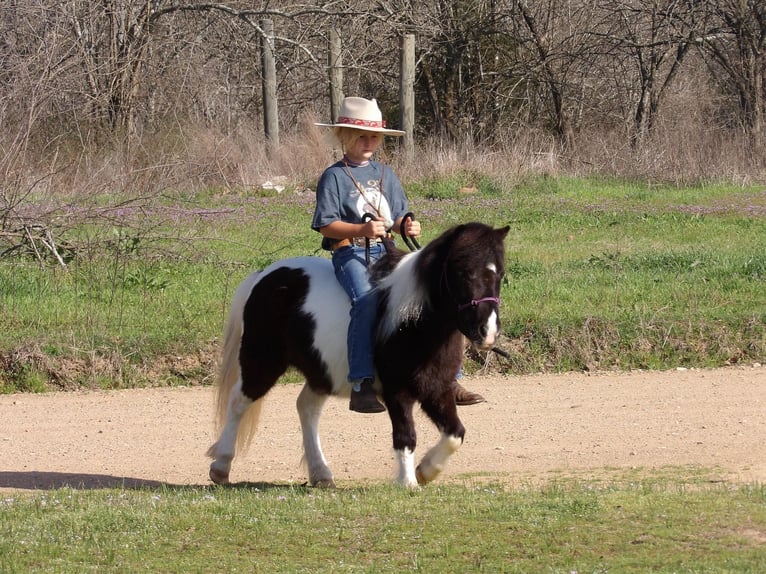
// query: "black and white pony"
[[294, 313]]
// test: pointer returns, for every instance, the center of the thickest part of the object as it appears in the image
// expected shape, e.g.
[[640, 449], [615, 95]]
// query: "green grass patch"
[[640, 525]]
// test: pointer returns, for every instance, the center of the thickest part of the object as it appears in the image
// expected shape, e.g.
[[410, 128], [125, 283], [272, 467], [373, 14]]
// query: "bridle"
[[475, 302], [472, 302]]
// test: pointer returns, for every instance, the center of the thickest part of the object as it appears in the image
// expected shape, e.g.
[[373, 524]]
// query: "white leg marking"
[[223, 450], [310, 406], [436, 458], [407, 477]]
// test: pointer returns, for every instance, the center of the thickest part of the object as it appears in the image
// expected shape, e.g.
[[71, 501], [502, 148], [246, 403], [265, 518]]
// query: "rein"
[[410, 242]]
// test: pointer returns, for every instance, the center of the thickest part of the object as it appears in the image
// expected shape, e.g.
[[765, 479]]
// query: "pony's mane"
[[405, 296]]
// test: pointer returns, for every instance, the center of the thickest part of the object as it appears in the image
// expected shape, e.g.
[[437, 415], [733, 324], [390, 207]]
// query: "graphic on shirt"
[[373, 201]]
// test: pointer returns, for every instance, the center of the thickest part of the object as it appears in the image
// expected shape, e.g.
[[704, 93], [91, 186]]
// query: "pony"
[[294, 313]]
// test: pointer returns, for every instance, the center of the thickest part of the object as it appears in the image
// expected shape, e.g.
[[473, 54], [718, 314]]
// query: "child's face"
[[364, 147]]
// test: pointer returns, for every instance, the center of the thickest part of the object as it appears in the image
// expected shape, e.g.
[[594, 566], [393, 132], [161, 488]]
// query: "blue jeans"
[[353, 275]]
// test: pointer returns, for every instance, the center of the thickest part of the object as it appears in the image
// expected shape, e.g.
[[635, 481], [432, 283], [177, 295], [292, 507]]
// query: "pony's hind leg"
[[223, 451], [310, 406]]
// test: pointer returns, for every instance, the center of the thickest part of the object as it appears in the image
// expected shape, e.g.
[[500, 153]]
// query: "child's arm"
[[343, 230]]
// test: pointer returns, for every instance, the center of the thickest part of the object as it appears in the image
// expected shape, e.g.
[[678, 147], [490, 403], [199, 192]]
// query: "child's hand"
[[412, 228], [374, 228]]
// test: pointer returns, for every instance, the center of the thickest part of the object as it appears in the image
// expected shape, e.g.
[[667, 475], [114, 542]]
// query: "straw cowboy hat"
[[361, 114]]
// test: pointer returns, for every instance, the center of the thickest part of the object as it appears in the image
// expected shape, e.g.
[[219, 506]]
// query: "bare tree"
[[487, 64], [454, 38], [540, 37], [736, 47], [655, 36]]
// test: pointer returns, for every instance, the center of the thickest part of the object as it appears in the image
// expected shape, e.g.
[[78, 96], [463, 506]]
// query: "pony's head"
[[452, 283], [466, 266]]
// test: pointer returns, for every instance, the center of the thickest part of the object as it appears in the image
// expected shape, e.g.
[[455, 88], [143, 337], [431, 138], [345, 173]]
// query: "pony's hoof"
[[420, 478], [219, 477], [324, 483]]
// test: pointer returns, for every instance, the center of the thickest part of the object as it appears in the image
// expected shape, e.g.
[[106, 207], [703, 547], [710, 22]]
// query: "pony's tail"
[[229, 372]]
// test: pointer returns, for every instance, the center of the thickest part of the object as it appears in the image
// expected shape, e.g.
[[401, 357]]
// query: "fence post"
[[335, 65], [270, 111], [407, 94]]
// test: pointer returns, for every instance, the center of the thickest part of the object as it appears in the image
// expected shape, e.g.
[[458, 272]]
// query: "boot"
[[365, 400], [465, 397]]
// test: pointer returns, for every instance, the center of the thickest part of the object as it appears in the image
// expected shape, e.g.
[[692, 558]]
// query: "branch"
[[29, 235]]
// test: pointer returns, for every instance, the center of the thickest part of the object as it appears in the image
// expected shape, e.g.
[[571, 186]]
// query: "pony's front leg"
[[435, 459], [222, 452], [405, 439], [310, 406], [443, 413]]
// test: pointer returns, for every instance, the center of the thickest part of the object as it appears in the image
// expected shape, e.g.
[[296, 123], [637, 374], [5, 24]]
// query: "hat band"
[[358, 122]]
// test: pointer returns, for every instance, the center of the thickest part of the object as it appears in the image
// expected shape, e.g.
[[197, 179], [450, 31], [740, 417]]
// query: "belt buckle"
[[359, 241]]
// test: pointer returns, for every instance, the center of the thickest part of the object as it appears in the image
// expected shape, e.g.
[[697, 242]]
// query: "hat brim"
[[384, 131]]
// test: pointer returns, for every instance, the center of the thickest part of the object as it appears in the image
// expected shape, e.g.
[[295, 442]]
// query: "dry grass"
[[677, 153], [29, 368], [682, 150]]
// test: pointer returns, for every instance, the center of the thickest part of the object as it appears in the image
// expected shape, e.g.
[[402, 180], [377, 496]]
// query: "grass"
[[602, 274], [628, 524]]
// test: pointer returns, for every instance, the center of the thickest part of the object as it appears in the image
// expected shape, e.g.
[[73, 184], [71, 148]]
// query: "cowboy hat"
[[361, 114]]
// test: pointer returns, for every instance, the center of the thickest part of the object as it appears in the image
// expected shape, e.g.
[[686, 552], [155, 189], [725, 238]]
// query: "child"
[[347, 190]]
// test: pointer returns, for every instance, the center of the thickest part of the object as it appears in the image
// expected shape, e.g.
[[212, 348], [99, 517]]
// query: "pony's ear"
[[502, 232]]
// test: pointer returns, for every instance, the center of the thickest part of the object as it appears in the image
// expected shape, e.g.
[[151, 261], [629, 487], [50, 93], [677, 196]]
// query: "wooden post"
[[407, 94], [335, 65], [270, 112]]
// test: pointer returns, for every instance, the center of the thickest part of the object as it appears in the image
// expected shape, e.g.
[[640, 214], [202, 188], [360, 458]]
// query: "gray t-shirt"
[[338, 197]]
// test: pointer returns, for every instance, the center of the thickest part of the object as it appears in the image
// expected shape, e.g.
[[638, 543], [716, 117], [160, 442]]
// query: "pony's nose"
[[488, 331]]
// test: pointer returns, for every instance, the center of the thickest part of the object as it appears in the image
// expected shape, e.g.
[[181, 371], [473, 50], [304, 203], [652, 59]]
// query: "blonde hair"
[[347, 136]]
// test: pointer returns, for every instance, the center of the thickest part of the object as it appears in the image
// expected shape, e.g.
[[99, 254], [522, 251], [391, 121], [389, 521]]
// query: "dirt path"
[[531, 428]]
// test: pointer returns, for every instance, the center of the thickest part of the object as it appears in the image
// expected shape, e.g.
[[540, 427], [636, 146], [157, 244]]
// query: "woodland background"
[[131, 96]]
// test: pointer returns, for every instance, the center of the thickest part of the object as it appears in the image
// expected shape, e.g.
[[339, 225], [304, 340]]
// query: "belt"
[[355, 241]]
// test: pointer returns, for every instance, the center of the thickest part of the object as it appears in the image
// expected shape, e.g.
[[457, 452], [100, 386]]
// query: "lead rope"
[[367, 216], [361, 189]]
